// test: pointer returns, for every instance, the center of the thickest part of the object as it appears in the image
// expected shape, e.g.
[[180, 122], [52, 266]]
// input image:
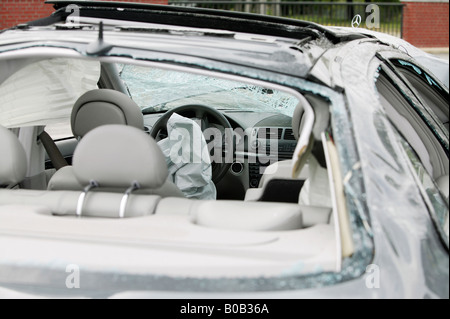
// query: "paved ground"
[[442, 53]]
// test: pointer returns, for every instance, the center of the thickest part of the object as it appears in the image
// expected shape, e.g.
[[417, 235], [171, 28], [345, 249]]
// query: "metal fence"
[[326, 13]]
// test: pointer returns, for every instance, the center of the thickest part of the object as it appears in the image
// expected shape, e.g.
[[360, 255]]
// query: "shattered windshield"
[[158, 90]]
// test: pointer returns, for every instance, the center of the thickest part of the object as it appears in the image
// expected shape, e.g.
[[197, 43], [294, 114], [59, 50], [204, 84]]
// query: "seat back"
[[13, 160], [101, 107], [93, 109], [115, 158]]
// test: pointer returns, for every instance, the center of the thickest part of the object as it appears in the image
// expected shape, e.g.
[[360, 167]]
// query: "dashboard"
[[260, 139]]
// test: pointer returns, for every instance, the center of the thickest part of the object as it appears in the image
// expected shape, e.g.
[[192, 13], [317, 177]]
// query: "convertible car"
[[167, 152]]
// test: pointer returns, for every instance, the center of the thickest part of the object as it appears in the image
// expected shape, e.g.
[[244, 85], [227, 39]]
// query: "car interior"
[[101, 106], [103, 161], [93, 149]]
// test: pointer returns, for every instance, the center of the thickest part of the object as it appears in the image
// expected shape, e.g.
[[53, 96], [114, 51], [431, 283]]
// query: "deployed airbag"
[[187, 158], [44, 92]]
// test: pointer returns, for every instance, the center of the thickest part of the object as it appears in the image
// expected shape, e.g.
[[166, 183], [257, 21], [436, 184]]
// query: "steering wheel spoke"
[[199, 113], [204, 122]]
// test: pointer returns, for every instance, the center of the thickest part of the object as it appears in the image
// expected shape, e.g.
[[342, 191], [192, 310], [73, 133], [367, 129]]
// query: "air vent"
[[289, 135], [272, 133], [283, 155]]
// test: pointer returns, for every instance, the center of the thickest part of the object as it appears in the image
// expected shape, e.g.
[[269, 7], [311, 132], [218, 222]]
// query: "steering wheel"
[[204, 114]]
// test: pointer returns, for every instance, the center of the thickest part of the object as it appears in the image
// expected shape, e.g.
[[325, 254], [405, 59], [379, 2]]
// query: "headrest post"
[[92, 184], [124, 201]]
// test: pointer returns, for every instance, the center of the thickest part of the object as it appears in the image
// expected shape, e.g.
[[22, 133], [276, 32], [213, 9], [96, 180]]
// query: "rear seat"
[[96, 204], [115, 198], [216, 214], [240, 215]]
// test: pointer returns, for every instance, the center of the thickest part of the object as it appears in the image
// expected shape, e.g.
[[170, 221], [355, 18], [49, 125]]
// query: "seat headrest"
[[102, 107], [116, 156], [13, 160]]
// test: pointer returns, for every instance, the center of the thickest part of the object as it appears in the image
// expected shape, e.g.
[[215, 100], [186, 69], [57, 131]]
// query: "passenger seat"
[[311, 187]]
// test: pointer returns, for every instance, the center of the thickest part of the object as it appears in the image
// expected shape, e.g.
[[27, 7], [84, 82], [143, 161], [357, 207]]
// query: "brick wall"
[[425, 23], [13, 12]]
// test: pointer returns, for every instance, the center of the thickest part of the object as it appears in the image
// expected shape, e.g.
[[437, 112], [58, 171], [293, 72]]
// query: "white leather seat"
[[93, 109], [281, 170], [116, 157], [13, 160], [103, 107], [315, 189]]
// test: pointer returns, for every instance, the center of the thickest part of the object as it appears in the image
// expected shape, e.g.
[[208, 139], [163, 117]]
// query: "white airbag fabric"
[[187, 158], [44, 92]]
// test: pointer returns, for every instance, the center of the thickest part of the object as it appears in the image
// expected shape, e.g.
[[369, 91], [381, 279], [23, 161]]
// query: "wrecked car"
[[152, 151]]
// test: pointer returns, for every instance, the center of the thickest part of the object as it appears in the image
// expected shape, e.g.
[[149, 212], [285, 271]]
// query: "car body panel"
[[396, 242]]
